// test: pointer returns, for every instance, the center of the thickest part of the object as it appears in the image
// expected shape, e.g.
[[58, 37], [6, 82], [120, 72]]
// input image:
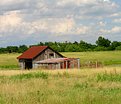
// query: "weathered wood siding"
[[22, 64], [46, 55]]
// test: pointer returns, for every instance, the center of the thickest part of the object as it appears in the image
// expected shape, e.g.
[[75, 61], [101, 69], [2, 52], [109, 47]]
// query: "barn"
[[46, 57]]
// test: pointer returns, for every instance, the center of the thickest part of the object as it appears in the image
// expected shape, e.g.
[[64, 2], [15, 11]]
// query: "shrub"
[[100, 48], [118, 48]]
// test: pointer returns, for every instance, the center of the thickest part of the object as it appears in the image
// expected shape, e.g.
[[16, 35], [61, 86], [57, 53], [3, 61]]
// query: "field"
[[94, 86], [106, 57], [84, 86], [112, 58]]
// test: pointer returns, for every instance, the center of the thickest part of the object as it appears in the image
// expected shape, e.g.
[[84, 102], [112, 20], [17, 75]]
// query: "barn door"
[[28, 64]]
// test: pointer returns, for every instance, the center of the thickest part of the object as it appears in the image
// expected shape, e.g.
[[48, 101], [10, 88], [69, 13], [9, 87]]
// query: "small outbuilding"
[[46, 57]]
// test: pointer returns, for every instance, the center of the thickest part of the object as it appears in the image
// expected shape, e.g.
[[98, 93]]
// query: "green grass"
[[61, 87], [9, 61], [106, 57], [113, 77], [29, 76], [85, 86]]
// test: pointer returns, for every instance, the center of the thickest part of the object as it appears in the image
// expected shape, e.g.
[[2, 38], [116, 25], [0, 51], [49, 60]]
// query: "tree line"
[[102, 44]]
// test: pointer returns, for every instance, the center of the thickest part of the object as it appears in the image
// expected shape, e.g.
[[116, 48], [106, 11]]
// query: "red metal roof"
[[32, 52]]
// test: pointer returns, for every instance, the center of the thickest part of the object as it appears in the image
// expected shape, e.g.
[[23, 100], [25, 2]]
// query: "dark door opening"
[[28, 64]]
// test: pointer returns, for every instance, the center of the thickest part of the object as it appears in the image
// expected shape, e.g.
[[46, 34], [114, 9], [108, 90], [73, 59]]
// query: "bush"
[[99, 48], [118, 48]]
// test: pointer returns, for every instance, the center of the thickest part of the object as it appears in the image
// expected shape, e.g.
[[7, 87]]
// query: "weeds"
[[83, 85], [30, 75], [9, 67], [62, 87], [109, 76], [64, 74], [2, 100]]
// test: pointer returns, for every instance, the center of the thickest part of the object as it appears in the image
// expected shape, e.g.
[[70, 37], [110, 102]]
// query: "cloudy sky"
[[32, 21]]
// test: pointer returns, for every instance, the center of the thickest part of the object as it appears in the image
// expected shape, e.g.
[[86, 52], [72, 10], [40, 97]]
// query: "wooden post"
[[63, 65], [23, 65], [59, 66], [66, 65], [73, 64], [54, 55], [78, 63]]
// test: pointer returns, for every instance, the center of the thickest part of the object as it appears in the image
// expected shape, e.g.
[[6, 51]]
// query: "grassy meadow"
[[84, 86], [106, 57], [94, 86], [9, 61]]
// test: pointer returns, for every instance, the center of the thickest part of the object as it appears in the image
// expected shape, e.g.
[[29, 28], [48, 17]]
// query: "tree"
[[84, 46], [100, 48], [11, 49], [118, 48], [41, 44], [115, 44], [75, 42], [22, 48], [103, 42]]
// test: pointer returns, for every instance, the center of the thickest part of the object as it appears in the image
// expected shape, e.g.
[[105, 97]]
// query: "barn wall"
[[45, 55], [40, 57], [74, 63], [65, 64], [22, 64], [49, 66]]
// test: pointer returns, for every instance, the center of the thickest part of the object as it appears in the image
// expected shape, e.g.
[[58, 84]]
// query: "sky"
[[33, 21]]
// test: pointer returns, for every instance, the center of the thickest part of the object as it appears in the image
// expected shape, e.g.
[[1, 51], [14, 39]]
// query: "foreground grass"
[[94, 86]]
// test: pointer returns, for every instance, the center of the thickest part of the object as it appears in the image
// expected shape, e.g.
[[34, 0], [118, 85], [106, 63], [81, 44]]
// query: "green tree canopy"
[[103, 42]]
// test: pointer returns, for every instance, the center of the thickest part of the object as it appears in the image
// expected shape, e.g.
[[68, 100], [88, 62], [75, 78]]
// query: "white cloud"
[[113, 30], [82, 30], [106, 0], [26, 18], [9, 21], [101, 23], [49, 25], [116, 29], [9, 2], [115, 14], [117, 20], [62, 26], [77, 2]]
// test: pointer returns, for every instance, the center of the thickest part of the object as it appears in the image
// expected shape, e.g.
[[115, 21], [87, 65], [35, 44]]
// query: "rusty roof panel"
[[32, 52]]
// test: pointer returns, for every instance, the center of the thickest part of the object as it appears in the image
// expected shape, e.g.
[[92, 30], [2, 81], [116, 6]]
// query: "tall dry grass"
[[60, 86]]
